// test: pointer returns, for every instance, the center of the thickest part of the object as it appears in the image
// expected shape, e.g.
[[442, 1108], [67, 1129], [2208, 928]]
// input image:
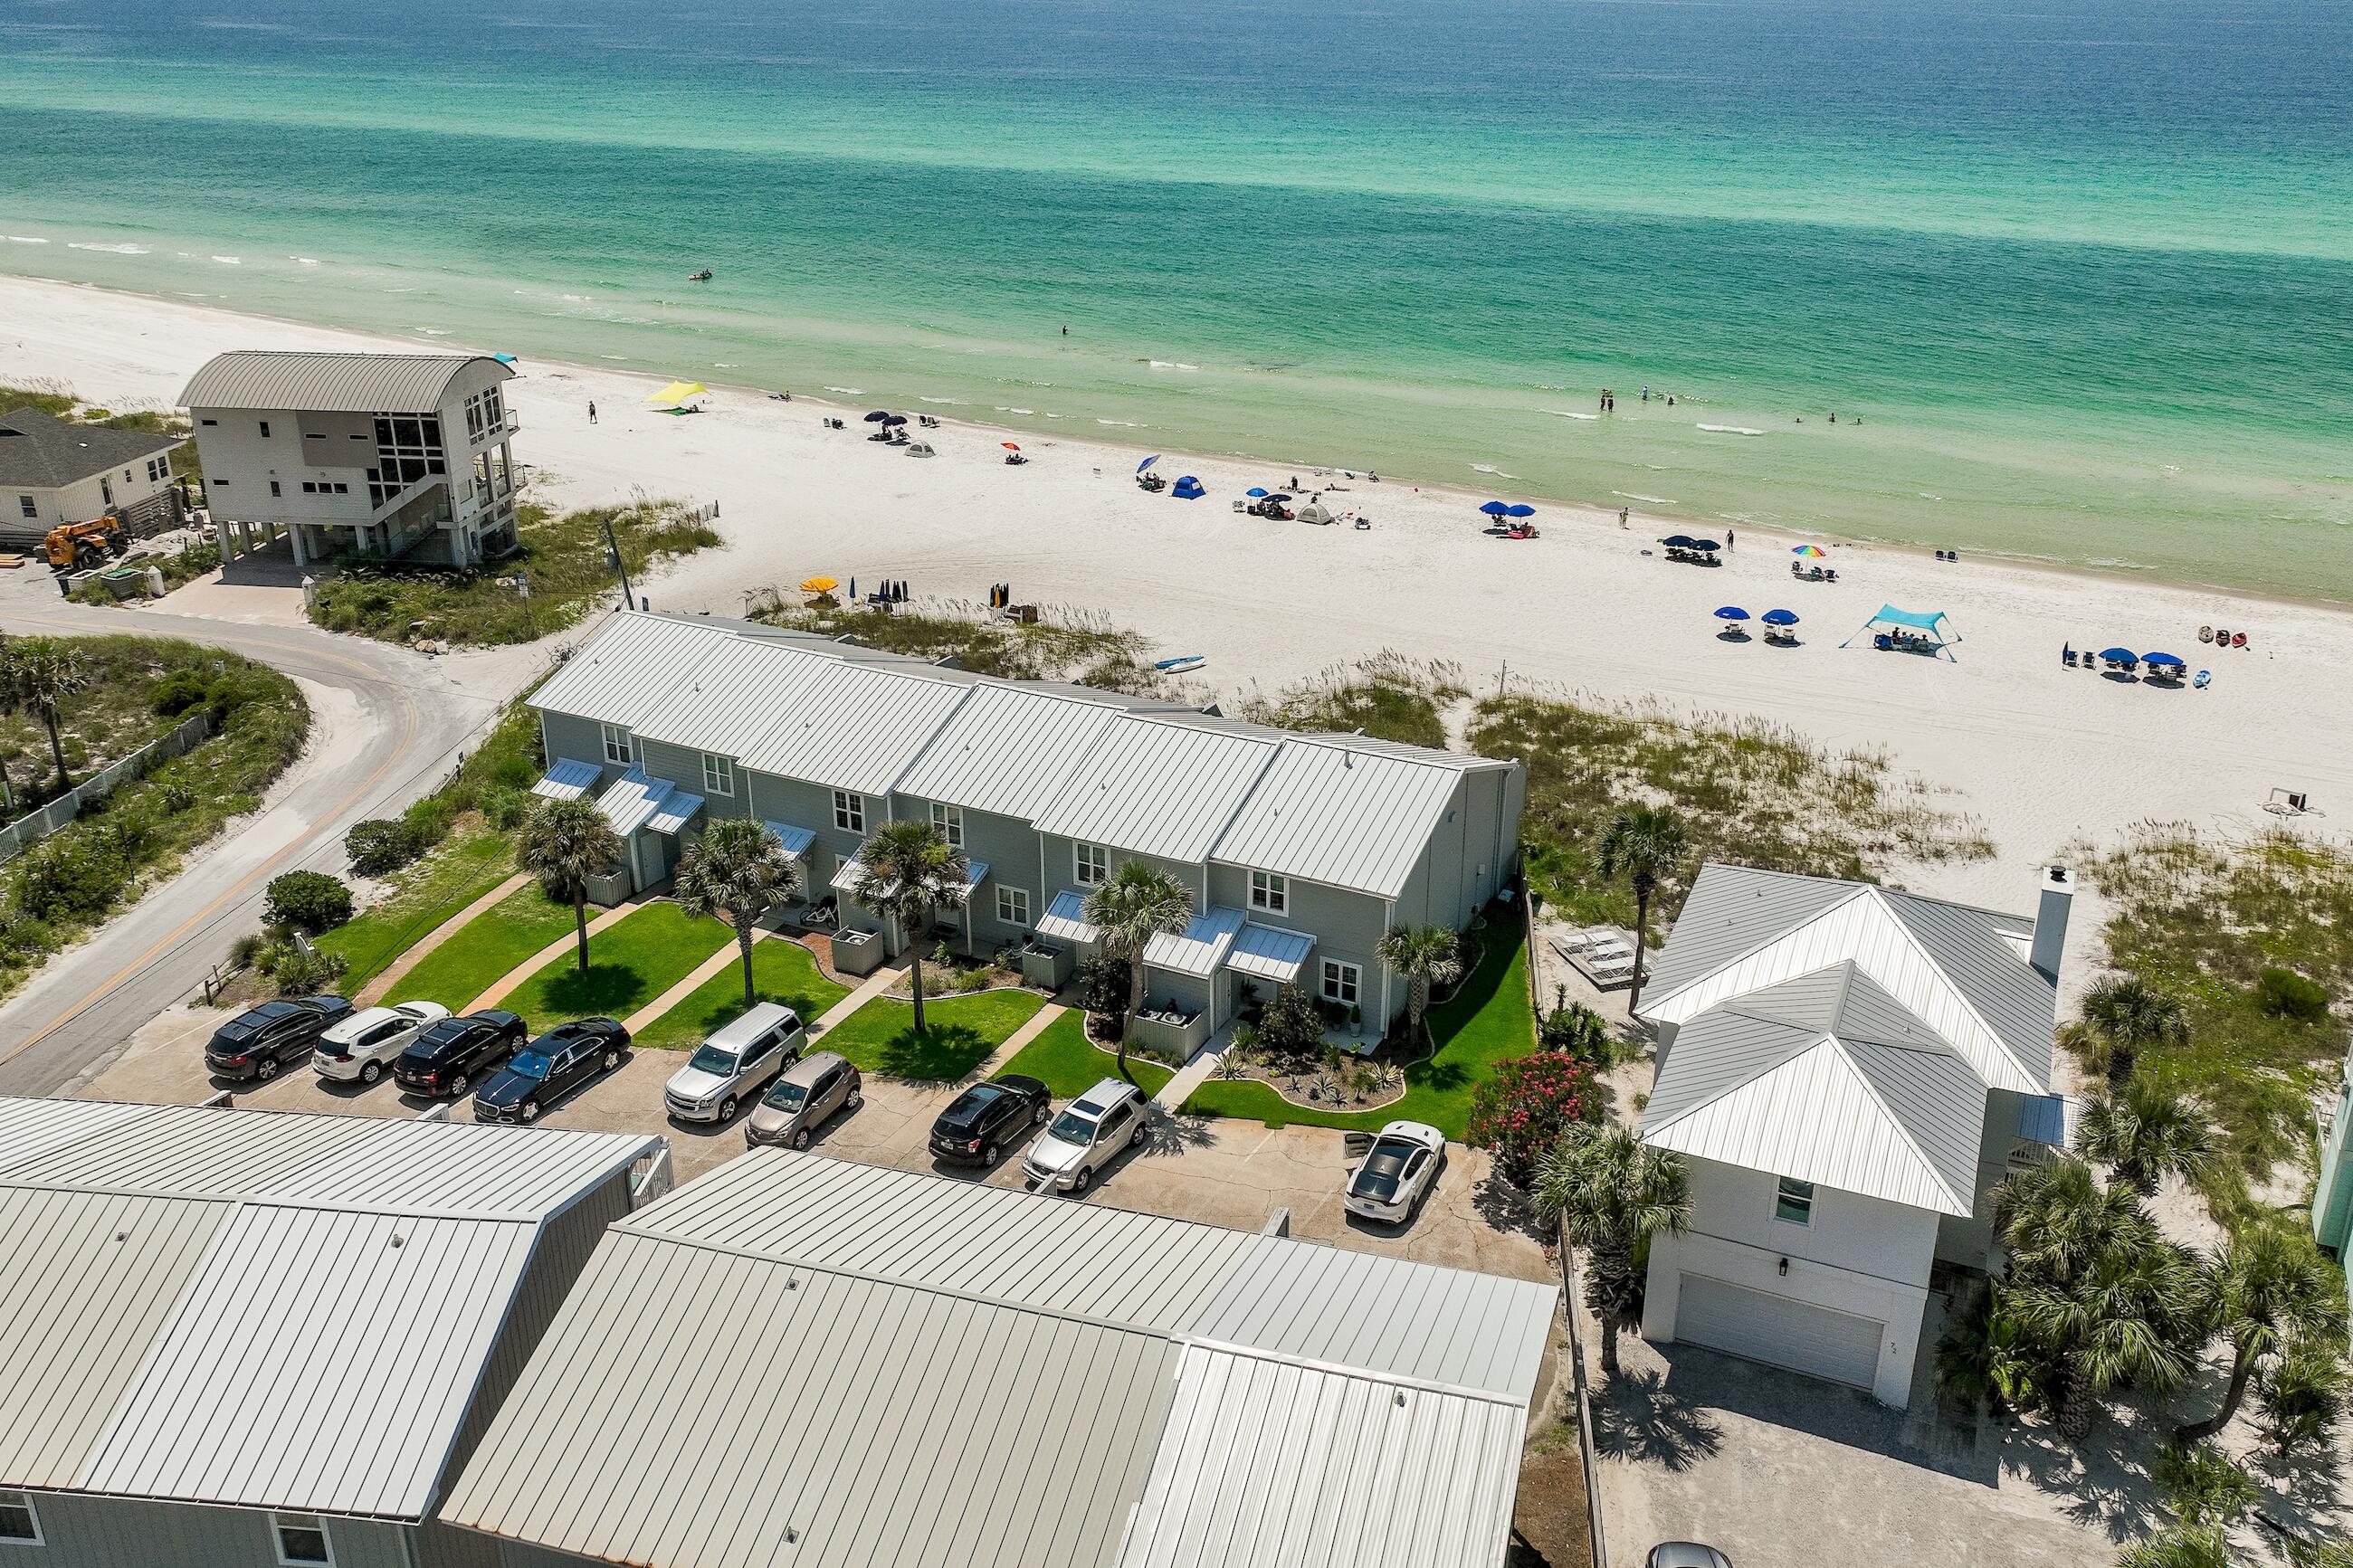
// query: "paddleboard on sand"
[[1180, 664]]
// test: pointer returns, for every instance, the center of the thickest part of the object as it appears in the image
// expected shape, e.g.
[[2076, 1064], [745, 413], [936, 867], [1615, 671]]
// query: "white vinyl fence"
[[40, 825]]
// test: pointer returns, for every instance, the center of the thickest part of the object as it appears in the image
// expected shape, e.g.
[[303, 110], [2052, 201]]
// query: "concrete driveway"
[[386, 725]]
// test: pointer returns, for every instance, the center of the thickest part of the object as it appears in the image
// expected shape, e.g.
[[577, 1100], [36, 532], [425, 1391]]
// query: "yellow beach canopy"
[[676, 392], [819, 586]]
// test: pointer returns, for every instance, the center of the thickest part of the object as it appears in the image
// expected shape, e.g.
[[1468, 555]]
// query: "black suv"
[[986, 1120], [543, 1071], [259, 1040], [448, 1056]]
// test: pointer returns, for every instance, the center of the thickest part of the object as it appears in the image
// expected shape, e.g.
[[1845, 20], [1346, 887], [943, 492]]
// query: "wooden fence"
[[36, 825]]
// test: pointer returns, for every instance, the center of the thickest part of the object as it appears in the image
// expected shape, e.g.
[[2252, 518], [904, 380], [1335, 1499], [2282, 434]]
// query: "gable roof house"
[[55, 471], [237, 1337], [1301, 850], [1847, 1070], [924, 1372]]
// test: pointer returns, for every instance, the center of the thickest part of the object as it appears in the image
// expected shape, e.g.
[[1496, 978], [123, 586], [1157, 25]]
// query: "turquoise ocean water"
[[2084, 267]]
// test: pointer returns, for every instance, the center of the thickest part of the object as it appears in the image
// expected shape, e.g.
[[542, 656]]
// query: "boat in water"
[[702, 276]]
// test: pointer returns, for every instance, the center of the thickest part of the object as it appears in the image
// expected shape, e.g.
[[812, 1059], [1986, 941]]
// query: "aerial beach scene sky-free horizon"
[[2074, 277]]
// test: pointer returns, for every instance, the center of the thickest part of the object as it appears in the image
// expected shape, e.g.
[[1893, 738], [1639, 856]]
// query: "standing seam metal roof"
[[1150, 787], [330, 383], [192, 1229], [1326, 814], [856, 727], [625, 670], [1006, 750]]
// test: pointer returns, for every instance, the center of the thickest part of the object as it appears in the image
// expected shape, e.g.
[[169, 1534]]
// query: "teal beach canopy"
[[1933, 626]]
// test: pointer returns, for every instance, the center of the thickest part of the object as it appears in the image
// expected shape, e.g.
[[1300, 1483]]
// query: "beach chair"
[[2068, 655], [1882, 642]]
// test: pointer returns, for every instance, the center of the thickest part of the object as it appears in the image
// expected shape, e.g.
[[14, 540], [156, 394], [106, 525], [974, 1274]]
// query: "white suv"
[[363, 1045], [734, 1063], [1087, 1136]]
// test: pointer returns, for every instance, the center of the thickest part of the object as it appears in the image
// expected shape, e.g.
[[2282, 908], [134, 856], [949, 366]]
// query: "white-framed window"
[[1269, 892], [1094, 864], [850, 811], [1013, 906], [159, 469], [20, 1522], [1793, 1201], [302, 1541], [621, 749], [949, 822], [717, 774], [1343, 983]]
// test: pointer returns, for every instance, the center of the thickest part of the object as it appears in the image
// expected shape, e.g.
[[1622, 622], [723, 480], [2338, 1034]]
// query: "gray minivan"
[[803, 1096]]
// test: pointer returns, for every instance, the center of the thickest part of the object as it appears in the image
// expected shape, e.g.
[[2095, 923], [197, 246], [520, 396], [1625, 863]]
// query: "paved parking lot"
[[1219, 1172]]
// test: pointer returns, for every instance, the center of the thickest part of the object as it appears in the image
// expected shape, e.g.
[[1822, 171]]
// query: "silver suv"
[[802, 1098], [734, 1063], [1087, 1136]]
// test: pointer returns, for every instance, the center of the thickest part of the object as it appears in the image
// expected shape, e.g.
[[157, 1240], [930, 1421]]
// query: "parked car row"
[[427, 1050]]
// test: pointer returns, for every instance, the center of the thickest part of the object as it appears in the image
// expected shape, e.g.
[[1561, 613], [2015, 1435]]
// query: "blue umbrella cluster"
[[2119, 656], [1732, 613], [2165, 660], [1494, 508], [1779, 618]]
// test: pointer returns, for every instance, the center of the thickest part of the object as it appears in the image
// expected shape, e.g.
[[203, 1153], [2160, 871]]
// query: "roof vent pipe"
[[2051, 921]]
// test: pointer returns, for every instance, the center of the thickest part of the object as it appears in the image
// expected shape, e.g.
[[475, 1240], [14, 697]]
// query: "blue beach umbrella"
[[1706, 544], [1732, 613], [1520, 510], [2168, 660], [1494, 508], [1677, 542], [1148, 462], [1278, 496], [1777, 618], [2119, 656], [877, 413], [1257, 492], [892, 419]]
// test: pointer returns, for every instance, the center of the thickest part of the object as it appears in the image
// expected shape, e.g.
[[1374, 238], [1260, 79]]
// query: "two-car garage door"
[[1731, 1318]]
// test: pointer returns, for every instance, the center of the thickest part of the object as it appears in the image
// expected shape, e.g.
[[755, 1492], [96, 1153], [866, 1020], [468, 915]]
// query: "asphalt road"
[[387, 724]]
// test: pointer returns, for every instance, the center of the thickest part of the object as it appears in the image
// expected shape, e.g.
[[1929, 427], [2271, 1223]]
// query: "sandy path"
[[2040, 753]]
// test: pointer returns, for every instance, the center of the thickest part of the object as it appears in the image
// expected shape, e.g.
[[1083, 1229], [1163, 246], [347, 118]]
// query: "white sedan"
[[362, 1046], [1398, 1172]]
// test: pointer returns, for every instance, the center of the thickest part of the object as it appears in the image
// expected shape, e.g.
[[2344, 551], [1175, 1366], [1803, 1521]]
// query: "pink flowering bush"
[[1521, 1111]]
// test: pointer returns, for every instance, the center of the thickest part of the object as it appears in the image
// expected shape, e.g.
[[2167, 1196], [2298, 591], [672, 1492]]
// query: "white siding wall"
[[1859, 1254]]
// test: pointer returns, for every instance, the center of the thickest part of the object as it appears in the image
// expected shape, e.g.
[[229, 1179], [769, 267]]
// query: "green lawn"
[[959, 1033], [1486, 1021], [781, 971], [630, 963], [486, 948], [454, 875], [1066, 1062]]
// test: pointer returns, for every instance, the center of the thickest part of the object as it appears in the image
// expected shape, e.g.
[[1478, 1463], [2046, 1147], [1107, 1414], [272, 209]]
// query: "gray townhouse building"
[[1301, 850], [250, 1339]]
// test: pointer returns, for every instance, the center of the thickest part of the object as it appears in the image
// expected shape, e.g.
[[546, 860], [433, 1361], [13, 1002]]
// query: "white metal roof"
[[726, 701], [1324, 812], [934, 1372], [160, 1253], [332, 382], [1199, 948], [631, 801], [856, 727], [567, 778], [1155, 787], [796, 840], [625, 671], [1066, 919], [1954, 967], [674, 811], [1270, 952], [1006, 750]]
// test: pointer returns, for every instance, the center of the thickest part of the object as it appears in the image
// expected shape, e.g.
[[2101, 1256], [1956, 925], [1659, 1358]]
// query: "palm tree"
[[2270, 1286], [738, 871], [1644, 842], [2143, 1134], [1609, 1194], [1425, 956], [2121, 1017], [1129, 907], [2098, 1293], [39, 674], [2183, 1546], [912, 872], [565, 843]]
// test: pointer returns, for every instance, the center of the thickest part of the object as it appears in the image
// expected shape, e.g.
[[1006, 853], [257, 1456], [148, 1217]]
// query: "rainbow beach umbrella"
[[1810, 549]]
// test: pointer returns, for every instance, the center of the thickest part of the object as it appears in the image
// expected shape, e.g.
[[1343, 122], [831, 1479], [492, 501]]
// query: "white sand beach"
[[2042, 754]]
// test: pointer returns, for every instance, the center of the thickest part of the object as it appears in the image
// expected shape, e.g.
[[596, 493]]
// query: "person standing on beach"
[[1730, 538], [592, 410], [1622, 517]]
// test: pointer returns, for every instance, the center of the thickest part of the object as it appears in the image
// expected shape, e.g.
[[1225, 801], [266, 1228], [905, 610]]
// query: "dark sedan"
[[263, 1039], [989, 1118], [448, 1056], [550, 1067]]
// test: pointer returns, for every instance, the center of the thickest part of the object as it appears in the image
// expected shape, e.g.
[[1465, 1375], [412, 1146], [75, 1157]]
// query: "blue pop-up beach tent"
[[1932, 625], [1188, 488]]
